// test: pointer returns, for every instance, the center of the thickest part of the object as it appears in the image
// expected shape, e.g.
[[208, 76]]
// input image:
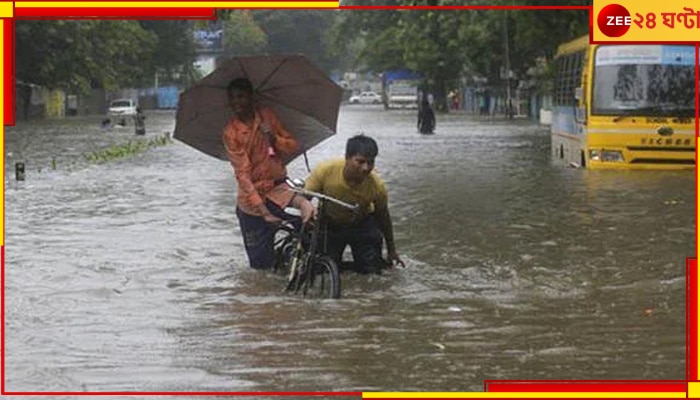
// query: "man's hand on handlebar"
[[297, 186], [308, 211]]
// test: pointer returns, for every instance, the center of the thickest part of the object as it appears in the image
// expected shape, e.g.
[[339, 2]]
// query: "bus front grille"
[[672, 149], [660, 161]]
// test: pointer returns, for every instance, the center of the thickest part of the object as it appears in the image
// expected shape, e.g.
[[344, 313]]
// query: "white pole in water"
[[155, 91], [19, 171]]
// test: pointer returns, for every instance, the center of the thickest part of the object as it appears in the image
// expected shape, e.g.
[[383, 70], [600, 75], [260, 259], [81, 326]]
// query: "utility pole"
[[155, 88], [509, 112]]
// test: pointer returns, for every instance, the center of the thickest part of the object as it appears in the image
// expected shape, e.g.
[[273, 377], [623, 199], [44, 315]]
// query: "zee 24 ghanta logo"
[[614, 20]]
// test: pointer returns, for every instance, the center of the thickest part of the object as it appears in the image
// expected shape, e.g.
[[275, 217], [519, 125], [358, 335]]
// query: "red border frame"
[[113, 12], [489, 385], [585, 386], [692, 321]]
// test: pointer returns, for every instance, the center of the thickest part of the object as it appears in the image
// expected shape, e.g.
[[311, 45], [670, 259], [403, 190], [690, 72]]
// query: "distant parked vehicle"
[[122, 108], [366, 98], [402, 93]]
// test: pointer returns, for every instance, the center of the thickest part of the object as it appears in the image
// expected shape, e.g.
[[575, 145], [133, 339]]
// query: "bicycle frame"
[[308, 255], [302, 271]]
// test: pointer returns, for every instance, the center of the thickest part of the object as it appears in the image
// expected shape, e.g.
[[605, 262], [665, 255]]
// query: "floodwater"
[[131, 275]]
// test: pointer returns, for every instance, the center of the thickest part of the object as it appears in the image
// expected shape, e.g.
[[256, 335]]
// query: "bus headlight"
[[606, 155], [612, 156]]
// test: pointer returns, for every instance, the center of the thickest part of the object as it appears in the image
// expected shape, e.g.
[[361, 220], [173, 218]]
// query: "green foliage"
[[173, 53], [126, 149], [242, 36], [448, 46], [299, 31], [77, 55], [368, 38], [280, 32]]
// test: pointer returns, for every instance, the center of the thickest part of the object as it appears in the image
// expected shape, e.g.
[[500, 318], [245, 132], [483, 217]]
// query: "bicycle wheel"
[[296, 273], [284, 242], [323, 280]]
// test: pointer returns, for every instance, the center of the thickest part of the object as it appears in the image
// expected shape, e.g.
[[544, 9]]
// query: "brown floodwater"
[[131, 275]]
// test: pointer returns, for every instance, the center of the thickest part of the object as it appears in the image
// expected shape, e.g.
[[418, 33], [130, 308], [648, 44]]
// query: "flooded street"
[[131, 275]]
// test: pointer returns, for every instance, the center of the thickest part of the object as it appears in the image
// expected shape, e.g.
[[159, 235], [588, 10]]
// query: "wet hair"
[[242, 84], [361, 145]]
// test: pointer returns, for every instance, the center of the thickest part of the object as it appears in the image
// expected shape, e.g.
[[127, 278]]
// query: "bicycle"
[[298, 250]]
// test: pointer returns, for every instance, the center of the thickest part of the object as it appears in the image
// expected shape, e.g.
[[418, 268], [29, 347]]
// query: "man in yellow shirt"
[[353, 181]]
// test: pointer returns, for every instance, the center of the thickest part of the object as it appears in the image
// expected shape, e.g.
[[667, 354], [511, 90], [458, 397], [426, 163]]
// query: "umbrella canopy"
[[304, 98]]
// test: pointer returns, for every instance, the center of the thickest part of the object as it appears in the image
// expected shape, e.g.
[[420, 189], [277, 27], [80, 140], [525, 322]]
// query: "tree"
[[242, 35], [432, 47], [425, 41], [79, 55], [446, 46], [173, 53], [120, 54], [371, 34], [299, 31]]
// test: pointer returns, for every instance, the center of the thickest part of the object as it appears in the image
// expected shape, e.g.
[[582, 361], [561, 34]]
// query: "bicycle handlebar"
[[305, 192]]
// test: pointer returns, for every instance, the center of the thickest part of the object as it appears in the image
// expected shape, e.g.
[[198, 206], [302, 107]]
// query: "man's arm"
[[381, 210], [281, 139], [386, 226]]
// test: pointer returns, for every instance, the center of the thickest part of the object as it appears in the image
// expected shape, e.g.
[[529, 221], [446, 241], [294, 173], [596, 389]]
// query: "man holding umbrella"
[[256, 144], [219, 116]]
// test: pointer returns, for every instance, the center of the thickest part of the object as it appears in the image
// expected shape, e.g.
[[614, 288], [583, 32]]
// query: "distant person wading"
[[139, 122], [426, 117]]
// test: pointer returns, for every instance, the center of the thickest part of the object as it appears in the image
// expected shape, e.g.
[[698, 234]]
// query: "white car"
[[122, 108], [366, 98]]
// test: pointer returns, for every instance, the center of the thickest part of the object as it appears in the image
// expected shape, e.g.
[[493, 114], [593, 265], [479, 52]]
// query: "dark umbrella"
[[304, 98]]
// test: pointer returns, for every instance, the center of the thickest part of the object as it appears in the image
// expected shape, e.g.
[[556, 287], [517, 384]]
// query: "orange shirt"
[[255, 168]]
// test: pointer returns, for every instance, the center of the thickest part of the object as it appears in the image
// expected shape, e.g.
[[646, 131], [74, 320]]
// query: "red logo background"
[[614, 11]]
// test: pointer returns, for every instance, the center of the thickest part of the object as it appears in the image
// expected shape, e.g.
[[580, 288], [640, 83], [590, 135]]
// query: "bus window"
[[641, 82], [569, 68]]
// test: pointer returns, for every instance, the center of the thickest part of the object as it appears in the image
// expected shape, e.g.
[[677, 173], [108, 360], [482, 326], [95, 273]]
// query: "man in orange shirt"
[[255, 140]]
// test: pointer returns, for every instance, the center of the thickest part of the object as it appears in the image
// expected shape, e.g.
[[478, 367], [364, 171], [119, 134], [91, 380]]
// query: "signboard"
[[209, 40], [645, 54]]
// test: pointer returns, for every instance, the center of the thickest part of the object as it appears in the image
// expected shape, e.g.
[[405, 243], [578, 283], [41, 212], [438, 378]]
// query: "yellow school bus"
[[624, 106]]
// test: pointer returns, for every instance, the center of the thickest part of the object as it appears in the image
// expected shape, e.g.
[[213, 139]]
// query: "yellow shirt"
[[371, 194]]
